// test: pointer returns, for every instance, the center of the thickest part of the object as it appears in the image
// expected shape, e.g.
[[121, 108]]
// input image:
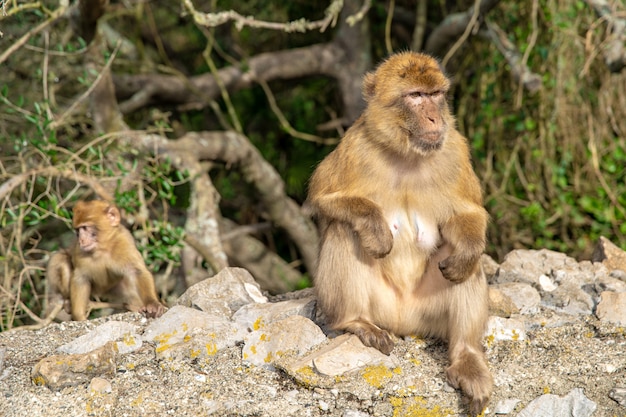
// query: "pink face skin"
[[87, 238]]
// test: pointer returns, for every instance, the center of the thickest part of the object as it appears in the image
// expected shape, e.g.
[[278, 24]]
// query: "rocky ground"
[[555, 344]]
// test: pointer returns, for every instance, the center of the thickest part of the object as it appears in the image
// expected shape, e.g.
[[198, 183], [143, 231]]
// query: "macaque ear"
[[113, 214], [369, 86]]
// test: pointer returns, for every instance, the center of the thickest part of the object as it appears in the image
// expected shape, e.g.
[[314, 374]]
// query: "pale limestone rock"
[[223, 294], [60, 371], [612, 308], [292, 336], [124, 333]]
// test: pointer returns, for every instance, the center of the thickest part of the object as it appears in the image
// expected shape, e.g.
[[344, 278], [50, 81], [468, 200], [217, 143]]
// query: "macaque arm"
[[363, 215]]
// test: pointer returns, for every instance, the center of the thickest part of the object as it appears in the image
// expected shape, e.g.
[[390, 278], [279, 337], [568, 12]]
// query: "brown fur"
[[402, 223], [103, 261]]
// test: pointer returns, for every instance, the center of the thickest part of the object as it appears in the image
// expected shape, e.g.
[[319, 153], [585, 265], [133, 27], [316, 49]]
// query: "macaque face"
[[87, 238], [410, 91]]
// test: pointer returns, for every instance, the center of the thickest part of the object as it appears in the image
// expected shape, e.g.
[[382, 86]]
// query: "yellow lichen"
[[129, 340], [194, 353], [376, 375], [415, 362], [253, 349], [268, 358], [416, 407], [546, 390], [39, 380], [264, 338], [258, 324], [162, 347], [211, 349]]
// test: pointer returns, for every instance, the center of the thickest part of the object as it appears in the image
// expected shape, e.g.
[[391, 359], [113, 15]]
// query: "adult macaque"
[[402, 224], [103, 261]]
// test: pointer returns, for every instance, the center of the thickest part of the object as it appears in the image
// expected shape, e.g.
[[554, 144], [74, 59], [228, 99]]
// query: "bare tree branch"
[[270, 270], [453, 27], [235, 149], [521, 73], [615, 50], [199, 91], [301, 25]]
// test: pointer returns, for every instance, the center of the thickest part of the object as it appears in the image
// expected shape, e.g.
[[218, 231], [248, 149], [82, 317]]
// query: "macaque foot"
[[152, 310], [470, 373], [373, 336], [457, 268]]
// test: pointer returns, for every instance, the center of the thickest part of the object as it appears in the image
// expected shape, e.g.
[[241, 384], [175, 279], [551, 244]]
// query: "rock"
[[618, 394], [100, 386], [101, 335], [524, 296], [345, 353], [490, 266], [546, 284], [254, 316], [291, 337], [501, 304], [612, 308], [505, 406], [223, 294], [499, 328], [528, 265], [60, 371], [574, 404], [192, 333], [609, 254]]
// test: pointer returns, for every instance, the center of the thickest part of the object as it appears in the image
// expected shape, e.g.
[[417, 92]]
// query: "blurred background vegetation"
[[551, 159]]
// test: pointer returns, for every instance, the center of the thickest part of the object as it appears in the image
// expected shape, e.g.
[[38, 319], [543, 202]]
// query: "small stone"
[[506, 406], [499, 328], [618, 394], [612, 308], [100, 386], [546, 283]]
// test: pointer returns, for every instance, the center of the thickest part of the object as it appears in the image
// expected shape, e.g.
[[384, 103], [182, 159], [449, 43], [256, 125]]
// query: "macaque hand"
[[374, 235], [458, 268]]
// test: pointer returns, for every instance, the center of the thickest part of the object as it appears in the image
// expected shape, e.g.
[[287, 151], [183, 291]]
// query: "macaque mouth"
[[427, 141]]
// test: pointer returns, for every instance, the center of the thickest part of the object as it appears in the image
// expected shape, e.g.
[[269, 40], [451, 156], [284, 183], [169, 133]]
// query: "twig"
[[392, 5], [7, 187], [21, 41], [529, 48], [70, 111], [420, 26], [285, 123], [465, 35]]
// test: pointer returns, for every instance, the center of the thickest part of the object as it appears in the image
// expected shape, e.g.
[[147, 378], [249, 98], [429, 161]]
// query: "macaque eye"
[[416, 94]]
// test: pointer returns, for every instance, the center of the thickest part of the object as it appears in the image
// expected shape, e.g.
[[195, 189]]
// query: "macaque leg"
[[468, 365], [466, 231], [345, 278], [80, 291]]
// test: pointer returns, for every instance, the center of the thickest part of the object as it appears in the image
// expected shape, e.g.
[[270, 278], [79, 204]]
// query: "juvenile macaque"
[[103, 261], [402, 224]]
